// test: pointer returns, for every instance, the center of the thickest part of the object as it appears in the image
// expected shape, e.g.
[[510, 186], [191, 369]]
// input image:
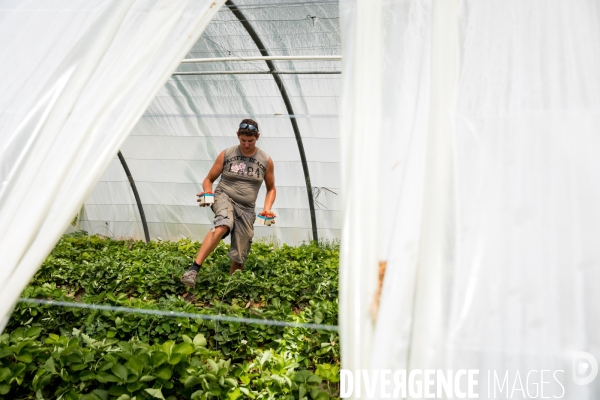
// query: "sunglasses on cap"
[[250, 127]]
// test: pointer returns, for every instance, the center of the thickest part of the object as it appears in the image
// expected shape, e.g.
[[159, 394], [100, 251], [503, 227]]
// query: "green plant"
[[297, 284]]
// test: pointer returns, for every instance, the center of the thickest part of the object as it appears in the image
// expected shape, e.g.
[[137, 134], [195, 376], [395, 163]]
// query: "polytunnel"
[[291, 90], [449, 144]]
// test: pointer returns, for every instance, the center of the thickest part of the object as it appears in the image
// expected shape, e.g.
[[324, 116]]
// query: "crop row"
[[296, 284]]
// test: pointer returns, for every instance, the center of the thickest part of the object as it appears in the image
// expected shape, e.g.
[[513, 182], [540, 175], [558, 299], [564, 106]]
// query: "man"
[[242, 169]]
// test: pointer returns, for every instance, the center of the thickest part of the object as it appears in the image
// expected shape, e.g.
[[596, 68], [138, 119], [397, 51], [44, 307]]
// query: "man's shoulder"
[[228, 152], [261, 154]]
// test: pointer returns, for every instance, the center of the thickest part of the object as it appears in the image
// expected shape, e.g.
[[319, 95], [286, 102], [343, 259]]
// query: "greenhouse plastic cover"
[[489, 221], [473, 127], [76, 76], [194, 117]]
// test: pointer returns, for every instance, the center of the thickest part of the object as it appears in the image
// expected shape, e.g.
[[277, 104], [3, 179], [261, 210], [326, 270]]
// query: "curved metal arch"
[[136, 195], [288, 105]]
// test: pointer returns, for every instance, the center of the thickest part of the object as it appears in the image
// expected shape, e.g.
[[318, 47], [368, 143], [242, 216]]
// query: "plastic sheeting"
[[489, 217], [194, 117], [76, 77], [360, 137]]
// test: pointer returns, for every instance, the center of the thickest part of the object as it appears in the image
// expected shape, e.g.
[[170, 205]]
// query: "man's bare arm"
[[213, 174], [270, 183]]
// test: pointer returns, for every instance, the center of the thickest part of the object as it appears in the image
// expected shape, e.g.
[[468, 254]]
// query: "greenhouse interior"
[[435, 212], [194, 116]]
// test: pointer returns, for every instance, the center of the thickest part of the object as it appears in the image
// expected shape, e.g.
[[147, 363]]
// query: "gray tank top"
[[242, 176]]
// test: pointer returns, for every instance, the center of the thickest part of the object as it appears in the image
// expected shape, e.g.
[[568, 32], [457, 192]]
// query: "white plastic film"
[[361, 142], [77, 75], [194, 117], [489, 227]]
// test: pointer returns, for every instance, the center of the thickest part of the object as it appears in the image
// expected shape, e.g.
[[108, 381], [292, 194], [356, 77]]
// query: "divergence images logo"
[[585, 368]]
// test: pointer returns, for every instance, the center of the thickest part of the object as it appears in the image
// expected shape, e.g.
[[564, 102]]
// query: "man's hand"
[[269, 214], [199, 199]]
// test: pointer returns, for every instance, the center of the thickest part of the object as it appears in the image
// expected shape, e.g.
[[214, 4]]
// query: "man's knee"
[[221, 230]]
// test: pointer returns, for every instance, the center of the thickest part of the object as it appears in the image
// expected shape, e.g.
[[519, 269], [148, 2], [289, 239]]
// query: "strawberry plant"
[[58, 352]]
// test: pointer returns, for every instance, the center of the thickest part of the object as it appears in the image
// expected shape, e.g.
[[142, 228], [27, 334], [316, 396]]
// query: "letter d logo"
[[585, 368]]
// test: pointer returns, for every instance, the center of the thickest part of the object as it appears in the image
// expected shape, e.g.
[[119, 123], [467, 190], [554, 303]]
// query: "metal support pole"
[[258, 73], [269, 58], [136, 195], [239, 15]]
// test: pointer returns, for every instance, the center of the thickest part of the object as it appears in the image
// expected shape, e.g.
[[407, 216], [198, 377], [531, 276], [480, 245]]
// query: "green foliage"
[[79, 367], [225, 360]]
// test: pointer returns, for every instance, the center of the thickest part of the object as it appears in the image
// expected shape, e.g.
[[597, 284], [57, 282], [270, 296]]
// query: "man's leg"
[[223, 209], [211, 241], [235, 267], [241, 238]]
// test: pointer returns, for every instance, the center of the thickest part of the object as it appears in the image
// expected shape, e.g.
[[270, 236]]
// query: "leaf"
[[302, 376], [117, 390], [200, 340], [132, 387], [89, 396], [126, 347], [183, 349], [231, 382], [52, 338], [234, 395], [4, 373], [147, 378], [301, 390], [120, 371], [192, 381], [102, 394], [318, 318], [167, 347], [175, 358], [6, 353], [4, 388], [213, 365], [105, 377], [86, 375], [135, 365], [320, 396], [18, 333], [265, 357], [17, 369], [164, 372], [124, 397], [159, 358], [106, 365], [78, 367], [25, 356], [33, 332], [144, 358], [197, 395], [156, 393]]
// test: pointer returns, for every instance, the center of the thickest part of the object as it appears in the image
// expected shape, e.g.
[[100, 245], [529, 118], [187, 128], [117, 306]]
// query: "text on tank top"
[[243, 175]]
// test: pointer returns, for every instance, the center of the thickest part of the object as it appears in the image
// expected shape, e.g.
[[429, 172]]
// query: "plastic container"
[[262, 220], [207, 198]]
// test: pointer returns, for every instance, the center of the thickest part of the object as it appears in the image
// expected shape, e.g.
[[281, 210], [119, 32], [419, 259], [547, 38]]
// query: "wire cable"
[[307, 18], [178, 314], [235, 55], [280, 5]]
